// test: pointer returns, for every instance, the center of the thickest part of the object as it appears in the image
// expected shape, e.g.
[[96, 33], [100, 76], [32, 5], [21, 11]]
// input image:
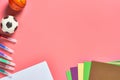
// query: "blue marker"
[[5, 56], [6, 48]]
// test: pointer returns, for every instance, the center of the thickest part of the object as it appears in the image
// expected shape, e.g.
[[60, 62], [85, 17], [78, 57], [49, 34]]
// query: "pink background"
[[65, 32]]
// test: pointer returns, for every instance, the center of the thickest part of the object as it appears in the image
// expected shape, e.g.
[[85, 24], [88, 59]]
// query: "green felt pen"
[[7, 62], [68, 74], [4, 72]]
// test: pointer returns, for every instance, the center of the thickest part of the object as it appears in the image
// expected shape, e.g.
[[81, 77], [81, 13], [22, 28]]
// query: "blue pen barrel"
[[6, 48], [2, 46]]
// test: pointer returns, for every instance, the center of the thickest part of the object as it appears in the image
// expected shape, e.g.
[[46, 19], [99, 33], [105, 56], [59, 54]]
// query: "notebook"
[[104, 71], [37, 72], [74, 73]]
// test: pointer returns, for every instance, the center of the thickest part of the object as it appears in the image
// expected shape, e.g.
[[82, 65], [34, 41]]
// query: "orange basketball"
[[17, 5]]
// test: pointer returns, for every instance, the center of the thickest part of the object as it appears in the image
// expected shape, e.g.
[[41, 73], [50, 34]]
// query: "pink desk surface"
[[65, 32]]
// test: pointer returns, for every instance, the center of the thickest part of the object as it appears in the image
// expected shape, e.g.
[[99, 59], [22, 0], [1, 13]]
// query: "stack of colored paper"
[[95, 70]]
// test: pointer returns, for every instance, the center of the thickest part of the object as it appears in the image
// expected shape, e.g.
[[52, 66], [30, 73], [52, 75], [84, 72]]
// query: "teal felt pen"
[[7, 62], [4, 72]]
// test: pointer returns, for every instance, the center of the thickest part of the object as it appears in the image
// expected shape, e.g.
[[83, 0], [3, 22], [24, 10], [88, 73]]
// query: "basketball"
[[17, 5]]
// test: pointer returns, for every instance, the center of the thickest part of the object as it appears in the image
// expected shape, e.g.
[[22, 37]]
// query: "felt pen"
[[9, 39], [7, 62], [12, 40], [4, 72], [5, 56], [4, 66], [6, 48]]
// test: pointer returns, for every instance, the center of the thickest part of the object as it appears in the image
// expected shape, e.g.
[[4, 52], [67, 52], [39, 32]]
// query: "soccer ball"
[[9, 24]]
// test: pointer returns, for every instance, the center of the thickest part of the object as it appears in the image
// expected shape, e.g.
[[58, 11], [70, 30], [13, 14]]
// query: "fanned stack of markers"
[[5, 60], [8, 26], [95, 70]]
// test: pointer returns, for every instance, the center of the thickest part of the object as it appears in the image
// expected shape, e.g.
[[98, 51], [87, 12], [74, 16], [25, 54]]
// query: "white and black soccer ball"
[[9, 24]]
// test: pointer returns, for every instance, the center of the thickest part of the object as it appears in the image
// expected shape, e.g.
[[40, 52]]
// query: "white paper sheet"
[[37, 72]]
